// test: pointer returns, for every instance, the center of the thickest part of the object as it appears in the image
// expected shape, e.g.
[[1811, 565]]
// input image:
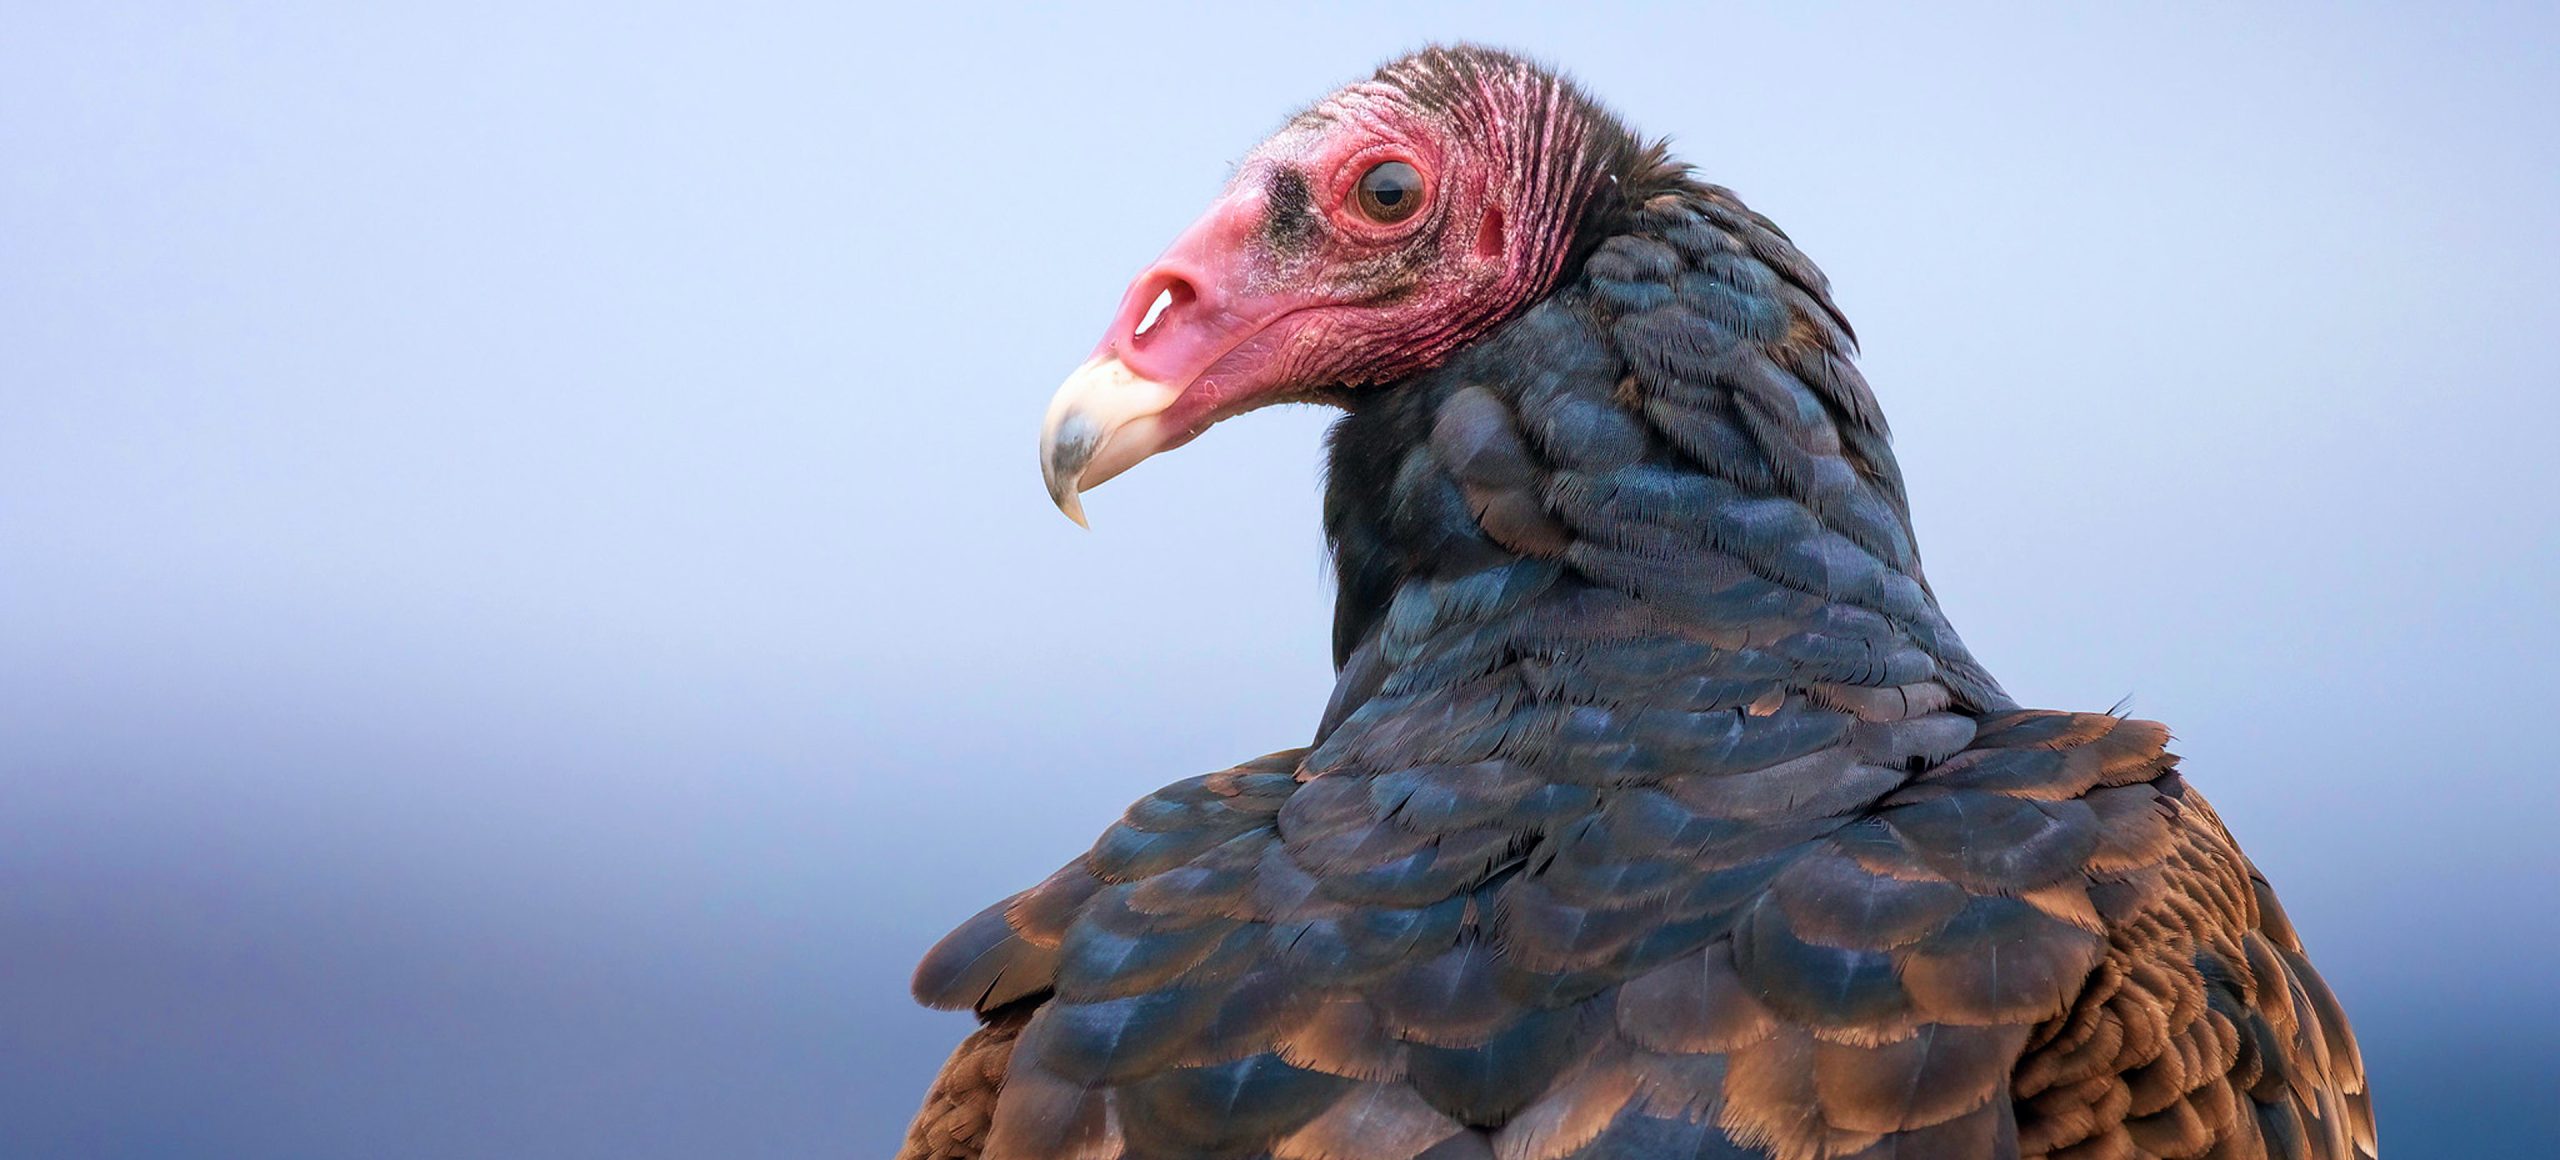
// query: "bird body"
[[1658, 811]]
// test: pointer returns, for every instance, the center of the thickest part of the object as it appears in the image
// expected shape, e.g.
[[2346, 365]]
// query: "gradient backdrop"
[[526, 602]]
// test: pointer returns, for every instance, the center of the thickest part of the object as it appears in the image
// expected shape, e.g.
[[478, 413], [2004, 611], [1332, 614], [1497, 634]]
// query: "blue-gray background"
[[525, 601]]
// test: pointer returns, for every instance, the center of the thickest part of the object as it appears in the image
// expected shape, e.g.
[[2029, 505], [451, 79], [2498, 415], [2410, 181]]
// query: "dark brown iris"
[[1389, 192]]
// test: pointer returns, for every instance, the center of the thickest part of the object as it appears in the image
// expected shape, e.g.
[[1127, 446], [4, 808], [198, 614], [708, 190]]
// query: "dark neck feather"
[[1667, 470]]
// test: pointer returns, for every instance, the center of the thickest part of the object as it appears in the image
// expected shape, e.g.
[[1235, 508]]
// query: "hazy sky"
[[526, 601]]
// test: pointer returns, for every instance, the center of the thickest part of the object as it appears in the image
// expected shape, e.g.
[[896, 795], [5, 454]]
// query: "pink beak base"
[[1174, 360]]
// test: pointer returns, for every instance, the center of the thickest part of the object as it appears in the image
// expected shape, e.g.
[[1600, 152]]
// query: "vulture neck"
[[1664, 484]]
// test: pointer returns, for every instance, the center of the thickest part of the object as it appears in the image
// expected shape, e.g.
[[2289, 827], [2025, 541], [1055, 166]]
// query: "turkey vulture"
[[1657, 811]]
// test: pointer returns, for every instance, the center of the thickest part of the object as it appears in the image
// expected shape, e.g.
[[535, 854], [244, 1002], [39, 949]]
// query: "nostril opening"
[[1175, 294], [1155, 310]]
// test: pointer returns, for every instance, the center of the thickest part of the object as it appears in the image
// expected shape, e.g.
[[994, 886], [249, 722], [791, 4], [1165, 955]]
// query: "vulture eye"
[[1390, 192]]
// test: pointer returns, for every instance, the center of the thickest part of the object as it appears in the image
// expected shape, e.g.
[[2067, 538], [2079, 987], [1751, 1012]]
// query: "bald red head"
[[1380, 230]]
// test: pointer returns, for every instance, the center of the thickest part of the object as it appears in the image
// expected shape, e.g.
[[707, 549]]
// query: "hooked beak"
[[1190, 345], [1101, 422]]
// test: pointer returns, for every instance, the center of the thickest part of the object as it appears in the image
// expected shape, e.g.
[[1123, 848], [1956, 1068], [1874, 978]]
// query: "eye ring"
[[1389, 192]]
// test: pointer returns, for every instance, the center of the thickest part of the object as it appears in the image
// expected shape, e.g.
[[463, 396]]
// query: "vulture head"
[[1377, 232]]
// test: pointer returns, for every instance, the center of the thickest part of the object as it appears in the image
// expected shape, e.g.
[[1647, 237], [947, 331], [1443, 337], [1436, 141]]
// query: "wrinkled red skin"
[[1276, 296]]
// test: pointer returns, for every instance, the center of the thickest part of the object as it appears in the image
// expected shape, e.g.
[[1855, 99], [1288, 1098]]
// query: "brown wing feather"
[[2204, 1032], [957, 1110]]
